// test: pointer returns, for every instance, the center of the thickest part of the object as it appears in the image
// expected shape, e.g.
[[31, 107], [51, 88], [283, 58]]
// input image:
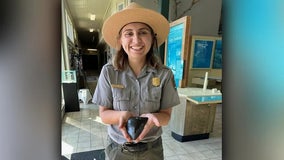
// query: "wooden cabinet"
[[191, 121]]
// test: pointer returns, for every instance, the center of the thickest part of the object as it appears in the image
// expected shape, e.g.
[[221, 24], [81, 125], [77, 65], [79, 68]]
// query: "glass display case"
[[70, 90], [68, 76]]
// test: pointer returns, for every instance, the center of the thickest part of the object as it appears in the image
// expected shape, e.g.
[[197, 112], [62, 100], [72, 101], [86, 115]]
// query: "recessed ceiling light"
[[92, 17], [92, 49]]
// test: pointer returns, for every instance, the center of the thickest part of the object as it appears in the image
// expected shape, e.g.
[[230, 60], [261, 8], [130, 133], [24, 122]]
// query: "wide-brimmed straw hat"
[[135, 13]]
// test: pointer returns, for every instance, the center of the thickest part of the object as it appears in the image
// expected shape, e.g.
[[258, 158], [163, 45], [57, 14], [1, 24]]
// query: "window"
[[69, 28]]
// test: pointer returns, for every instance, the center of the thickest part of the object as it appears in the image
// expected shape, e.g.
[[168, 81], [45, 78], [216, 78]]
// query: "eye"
[[128, 34], [143, 32]]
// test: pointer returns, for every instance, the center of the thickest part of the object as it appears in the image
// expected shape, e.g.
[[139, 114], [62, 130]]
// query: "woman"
[[135, 84]]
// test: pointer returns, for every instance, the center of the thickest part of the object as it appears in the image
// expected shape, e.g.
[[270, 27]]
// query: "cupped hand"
[[152, 121], [122, 125]]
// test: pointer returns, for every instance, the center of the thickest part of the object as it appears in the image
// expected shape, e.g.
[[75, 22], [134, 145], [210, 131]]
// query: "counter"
[[193, 118]]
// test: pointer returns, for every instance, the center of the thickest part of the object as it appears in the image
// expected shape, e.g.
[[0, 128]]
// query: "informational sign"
[[174, 59], [68, 76], [177, 46], [206, 52], [202, 54], [217, 58]]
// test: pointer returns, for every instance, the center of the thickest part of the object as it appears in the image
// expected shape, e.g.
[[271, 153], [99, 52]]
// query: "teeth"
[[136, 48]]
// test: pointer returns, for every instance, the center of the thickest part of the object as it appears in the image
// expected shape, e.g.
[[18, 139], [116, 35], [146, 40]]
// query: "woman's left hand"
[[152, 120]]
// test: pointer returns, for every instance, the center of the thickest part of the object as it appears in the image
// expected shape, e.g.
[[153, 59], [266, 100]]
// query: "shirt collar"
[[146, 69]]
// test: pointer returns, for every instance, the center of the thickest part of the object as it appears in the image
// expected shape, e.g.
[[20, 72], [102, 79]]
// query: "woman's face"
[[136, 40]]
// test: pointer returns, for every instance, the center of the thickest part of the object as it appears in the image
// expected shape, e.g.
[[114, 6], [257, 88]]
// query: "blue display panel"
[[206, 99], [217, 60], [174, 47], [203, 50]]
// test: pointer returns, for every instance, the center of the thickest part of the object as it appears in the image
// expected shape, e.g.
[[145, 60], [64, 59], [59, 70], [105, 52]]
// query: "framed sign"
[[217, 57], [177, 47], [202, 52]]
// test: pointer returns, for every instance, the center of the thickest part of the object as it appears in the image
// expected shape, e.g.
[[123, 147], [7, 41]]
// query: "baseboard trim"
[[190, 137]]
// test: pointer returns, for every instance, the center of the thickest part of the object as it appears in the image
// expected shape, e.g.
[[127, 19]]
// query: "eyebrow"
[[144, 28]]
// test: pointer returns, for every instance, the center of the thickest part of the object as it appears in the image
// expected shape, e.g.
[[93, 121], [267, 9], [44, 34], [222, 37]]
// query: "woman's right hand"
[[122, 124], [110, 116]]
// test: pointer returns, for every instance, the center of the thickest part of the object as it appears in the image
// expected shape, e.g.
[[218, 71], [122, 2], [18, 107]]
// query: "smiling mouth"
[[137, 48]]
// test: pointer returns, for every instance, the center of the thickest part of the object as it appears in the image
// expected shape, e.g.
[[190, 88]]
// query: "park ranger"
[[135, 83]]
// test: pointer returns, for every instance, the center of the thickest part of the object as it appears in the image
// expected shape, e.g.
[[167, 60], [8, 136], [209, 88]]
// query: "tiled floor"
[[83, 131]]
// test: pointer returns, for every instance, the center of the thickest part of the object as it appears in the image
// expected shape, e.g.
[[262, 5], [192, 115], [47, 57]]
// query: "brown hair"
[[120, 59]]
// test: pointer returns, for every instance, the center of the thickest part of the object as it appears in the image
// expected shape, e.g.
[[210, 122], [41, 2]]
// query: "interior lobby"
[[195, 129]]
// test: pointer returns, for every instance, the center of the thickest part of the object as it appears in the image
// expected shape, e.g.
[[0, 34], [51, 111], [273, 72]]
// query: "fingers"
[[125, 134], [156, 121], [146, 129], [121, 124], [152, 120]]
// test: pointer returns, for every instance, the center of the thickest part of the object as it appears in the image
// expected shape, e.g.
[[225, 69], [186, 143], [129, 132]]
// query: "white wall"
[[205, 15], [150, 4]]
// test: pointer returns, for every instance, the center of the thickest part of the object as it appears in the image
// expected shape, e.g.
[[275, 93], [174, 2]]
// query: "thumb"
[[156, 121], [121, 123], [152, 119]]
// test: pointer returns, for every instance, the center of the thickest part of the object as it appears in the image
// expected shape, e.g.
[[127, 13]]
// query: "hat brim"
[[114, 24]]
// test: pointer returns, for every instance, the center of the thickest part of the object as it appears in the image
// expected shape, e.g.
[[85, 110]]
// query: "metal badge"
[[156, 81]]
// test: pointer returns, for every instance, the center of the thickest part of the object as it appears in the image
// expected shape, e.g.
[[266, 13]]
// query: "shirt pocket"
[[121, 98], [152, 100]]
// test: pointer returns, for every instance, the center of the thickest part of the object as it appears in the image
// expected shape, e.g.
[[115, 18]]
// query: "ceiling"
[[80, 11]]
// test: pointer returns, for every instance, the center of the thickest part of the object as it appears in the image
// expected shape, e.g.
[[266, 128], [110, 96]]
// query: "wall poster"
[[177, 50], [217, 58], [206, 52]]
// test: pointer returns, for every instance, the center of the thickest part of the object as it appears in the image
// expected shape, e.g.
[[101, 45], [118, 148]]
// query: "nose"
[[136, 38]]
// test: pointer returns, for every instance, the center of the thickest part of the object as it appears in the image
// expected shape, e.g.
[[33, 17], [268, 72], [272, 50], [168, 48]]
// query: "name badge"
[[117, 86], [156, 81]]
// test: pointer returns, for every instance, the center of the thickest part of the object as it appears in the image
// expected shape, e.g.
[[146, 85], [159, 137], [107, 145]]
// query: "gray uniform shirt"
[[153, 90]]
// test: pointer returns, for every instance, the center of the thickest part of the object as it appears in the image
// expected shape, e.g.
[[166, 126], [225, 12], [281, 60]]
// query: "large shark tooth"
[[135, 126]]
